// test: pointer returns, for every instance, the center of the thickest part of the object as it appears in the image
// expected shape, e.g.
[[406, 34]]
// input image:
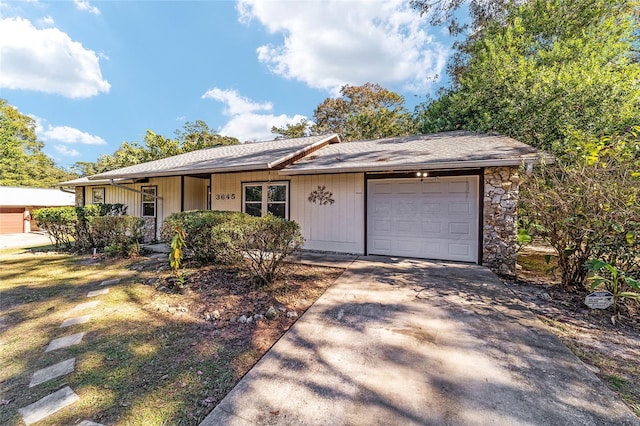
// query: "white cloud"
[[47, 60], [236, 104], [245, 123], [256, 127], [64, 134], [84, 5], [47, 21], [70, 135], [332, 43], [64, 150]]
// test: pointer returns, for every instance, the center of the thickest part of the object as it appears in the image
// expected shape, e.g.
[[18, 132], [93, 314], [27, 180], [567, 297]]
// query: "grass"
[[138, 364]]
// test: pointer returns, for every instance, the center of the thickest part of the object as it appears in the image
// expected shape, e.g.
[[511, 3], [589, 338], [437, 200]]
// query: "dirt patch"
[[610, 347]]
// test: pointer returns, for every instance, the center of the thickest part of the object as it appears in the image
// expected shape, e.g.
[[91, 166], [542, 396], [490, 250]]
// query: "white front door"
[[436, 218]]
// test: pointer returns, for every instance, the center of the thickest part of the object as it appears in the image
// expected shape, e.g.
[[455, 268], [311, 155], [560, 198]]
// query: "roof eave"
[[471, 164]]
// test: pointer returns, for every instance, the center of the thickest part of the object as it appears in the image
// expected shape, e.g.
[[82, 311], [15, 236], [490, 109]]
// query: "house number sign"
[[225, 196]]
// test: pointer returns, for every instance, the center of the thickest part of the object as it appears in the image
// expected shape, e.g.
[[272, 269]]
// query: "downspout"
[[137, 191]]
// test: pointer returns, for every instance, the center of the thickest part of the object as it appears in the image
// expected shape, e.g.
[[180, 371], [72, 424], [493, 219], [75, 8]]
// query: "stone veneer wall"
[[149, 231], [500, 222], [79, 196]]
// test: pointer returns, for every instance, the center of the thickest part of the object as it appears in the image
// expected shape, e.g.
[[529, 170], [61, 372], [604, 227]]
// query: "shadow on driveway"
[[416, 342]]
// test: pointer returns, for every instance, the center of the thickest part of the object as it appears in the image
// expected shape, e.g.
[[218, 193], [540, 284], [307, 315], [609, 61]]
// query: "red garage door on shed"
[[11, 220]]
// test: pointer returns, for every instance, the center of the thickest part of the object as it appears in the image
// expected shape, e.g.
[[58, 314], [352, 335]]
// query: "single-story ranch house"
[[447, 196]]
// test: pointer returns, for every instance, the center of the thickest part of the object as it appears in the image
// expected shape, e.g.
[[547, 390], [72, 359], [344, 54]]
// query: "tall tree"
[[295, 130], [550, 67], [198, 135], [22, 162], [364, 112]]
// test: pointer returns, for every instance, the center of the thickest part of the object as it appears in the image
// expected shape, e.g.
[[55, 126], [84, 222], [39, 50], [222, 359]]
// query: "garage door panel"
[[406, 188], [431, 228], [461, 207], [381, 226], [435, 219], [460, 228], [459, 187], [459, 250]]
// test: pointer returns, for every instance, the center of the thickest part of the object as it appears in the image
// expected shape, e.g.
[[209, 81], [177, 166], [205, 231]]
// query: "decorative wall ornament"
[[321, 196]]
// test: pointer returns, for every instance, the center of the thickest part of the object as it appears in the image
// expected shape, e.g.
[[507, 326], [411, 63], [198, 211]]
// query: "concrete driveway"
[[24, 240], [399, 342]]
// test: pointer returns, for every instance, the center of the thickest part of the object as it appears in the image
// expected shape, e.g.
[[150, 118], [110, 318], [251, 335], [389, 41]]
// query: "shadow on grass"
[[138, 362]]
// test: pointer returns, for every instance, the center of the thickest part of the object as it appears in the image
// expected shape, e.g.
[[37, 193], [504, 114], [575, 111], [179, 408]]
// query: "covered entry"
[[431, 218]]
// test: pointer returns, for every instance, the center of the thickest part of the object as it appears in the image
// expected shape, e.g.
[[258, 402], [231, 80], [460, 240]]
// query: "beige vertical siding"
[[195, 193], [333, 227]]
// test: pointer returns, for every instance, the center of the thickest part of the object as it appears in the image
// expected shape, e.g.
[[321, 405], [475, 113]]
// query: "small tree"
[[586, 204]]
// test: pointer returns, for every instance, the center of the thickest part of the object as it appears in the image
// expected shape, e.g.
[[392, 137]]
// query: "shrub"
[[119, 235], [258, 245], [85, 238], [586, 205], [197, 226], [58, 222]]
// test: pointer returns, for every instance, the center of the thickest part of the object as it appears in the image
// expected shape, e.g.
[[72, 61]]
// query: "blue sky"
[[96, 73]]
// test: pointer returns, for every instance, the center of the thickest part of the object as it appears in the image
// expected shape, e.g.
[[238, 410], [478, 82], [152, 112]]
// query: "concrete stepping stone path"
[[63, 342], [88, 305], [73, 321], [98, 292], [89, 423], [111, 281], [56, 370], [48, 405], [65, 396]]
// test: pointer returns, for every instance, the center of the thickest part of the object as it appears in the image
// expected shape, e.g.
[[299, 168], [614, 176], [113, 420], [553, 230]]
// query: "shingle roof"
[[248, 156], [18, 197], [445, 150]]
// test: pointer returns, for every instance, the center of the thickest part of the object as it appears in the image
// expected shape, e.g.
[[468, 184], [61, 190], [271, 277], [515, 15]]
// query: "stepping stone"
[[89, 423], [111, 281], [63, 342], [73, 321], [87, 305], [98, 292], [48, 405], [56, 370]]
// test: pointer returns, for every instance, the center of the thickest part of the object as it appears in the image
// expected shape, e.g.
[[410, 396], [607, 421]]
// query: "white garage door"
[[433, 219]]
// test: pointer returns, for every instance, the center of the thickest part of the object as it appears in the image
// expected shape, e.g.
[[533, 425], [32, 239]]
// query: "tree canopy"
[[295, 130], [191, 137], [548, 68], [22, 162], [363, 112]]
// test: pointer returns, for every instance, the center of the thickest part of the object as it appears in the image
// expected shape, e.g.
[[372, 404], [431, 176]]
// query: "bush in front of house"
[[102, 226], [197, 226], [58, 222], [118, 235], [85, 236], [258, 245]]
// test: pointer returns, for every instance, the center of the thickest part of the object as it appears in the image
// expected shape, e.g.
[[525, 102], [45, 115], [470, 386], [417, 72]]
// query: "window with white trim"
[[258, 199], [97, 195], [149, 194]]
